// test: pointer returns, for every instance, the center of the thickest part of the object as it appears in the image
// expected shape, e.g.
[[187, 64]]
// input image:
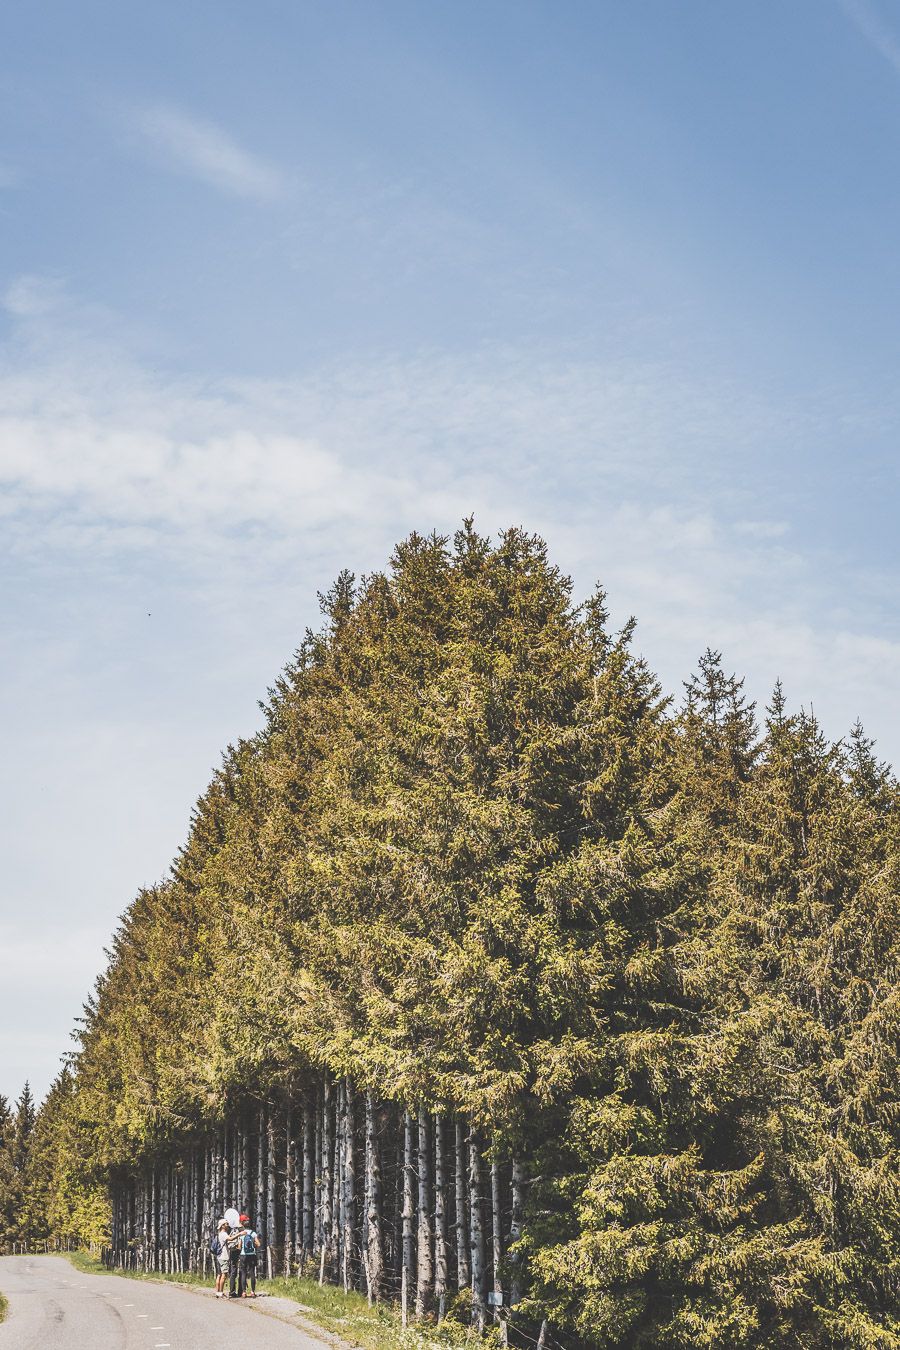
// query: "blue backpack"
[[215, 1246], [249, 1244]]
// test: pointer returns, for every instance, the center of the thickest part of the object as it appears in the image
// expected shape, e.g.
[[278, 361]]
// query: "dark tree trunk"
[[154, 1193], [271, 1182], [406, 1274], [327, 1160], [260, 1216], [340, 1187], [515, 1230], [496, 1235], [297, 1162], [476, 1225], [337, 1185], [309, 1181], [242, 1199], [288, 1192], [440, 1219], [349, 1182], [463, 1267]]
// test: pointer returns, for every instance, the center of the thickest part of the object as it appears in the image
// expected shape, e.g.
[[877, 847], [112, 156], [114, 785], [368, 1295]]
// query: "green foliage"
[[475, 859]]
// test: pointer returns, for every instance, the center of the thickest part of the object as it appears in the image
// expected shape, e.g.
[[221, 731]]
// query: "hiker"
[[234, 1244], [219, 1249], [249, 1248]]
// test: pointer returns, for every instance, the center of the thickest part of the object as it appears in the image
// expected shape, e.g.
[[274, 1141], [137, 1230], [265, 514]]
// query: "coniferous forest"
[[490, 971]]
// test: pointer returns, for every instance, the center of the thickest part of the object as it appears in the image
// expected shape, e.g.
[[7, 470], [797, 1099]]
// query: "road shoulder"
[[268, 1305]]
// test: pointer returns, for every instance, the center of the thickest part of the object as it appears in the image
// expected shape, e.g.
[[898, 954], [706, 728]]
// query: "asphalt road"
[[52, 1306]]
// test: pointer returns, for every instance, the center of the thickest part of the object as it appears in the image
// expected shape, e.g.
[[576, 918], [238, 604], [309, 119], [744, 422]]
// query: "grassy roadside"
[[346, 1315], [3, 1307]]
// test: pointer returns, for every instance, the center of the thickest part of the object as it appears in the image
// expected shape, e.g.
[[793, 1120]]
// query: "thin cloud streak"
[[206, 152], [874, 30]]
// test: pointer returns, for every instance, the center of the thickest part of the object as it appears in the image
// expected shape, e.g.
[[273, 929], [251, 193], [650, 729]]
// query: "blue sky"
[[282, 282]]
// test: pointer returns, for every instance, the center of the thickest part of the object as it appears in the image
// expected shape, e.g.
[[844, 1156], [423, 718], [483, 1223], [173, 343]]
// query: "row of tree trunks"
[[396, 1203]]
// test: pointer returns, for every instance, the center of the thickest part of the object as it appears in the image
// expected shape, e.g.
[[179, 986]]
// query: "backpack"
[[234, 1240], [249, 1247], [215, 1246]]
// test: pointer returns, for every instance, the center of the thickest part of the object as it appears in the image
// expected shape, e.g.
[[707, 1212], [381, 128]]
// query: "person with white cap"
[[219, 1248]]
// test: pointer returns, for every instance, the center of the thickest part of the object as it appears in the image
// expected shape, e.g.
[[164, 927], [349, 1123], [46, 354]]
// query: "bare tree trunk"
[[208, 1216], [244, 1188], [463, 1267], [374, 1234], [154, 1192], [199, 1204], [440, 1220], [163, 1217], [424, 1271], [188, 1210], [337, 1185], [288, 1192], [184, 1182], [298, 1167], [340, 1189], [146, 1205], [407, 1269], [542, 1336], [199, 1208], [496, 1234], [221, 1203], [397, 1207], [349, 1183], [200, 1211], [173, 1218], [271, 1182], [515, 1230], [260, 1224], [309, 1181], [317, 1154], [477, 1233], [163, 1233], [226, 1176], [327, 1158], [240, 1176]]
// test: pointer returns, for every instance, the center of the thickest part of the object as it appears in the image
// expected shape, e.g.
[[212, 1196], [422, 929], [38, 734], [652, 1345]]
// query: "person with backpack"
[[219, 1249], [249, 1248], [234, 1244]]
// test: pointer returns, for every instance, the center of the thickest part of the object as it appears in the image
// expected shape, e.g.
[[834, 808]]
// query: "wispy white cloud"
[[205, 151], [29, 297], [874, 29], [378, 444], [618, 463]]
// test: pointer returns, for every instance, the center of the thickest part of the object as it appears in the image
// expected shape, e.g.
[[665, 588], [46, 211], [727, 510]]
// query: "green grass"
[[346, 1315], [3, 1307]]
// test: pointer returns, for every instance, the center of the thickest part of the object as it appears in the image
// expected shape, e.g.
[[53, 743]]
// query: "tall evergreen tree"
[[616, 979]]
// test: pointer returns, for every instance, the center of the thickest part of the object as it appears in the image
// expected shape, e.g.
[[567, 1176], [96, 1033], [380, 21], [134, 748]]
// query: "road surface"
[[53, 1306]]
